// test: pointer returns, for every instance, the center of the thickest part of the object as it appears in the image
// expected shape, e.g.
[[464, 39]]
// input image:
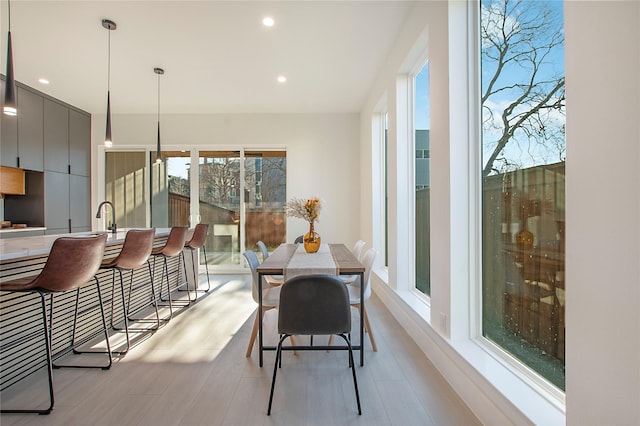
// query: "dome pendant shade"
[[10, 85]]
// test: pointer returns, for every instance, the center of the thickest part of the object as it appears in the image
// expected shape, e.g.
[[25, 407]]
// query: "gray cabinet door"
[[80, 143], [8, 136], [30, 130], [79, 200], [56, 202], [56, 137]]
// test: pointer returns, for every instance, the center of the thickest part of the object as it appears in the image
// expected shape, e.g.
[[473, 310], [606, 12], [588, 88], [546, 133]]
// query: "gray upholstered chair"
[[314, 305]]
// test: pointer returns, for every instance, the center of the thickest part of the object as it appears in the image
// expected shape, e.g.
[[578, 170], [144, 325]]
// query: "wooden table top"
[[346, 262]]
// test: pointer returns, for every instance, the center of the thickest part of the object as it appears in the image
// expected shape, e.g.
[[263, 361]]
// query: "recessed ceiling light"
[[282, 79], [268, 21], [43, 80]]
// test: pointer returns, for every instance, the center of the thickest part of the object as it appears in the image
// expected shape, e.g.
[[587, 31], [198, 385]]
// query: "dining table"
[[292, 260]]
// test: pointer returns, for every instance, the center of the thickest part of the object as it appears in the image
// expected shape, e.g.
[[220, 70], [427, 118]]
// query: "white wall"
[[603, 212], [322, 155]]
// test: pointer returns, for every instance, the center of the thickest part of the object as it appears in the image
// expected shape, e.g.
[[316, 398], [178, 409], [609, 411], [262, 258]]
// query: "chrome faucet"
[[113, 227]]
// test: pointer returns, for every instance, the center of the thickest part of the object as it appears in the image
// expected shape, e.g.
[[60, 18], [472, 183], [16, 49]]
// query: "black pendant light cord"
[[9, 7]]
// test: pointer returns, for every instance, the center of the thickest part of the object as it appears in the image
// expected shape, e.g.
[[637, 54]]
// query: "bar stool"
[[197, 242], [172, 248], [71, 264], [135, 252]]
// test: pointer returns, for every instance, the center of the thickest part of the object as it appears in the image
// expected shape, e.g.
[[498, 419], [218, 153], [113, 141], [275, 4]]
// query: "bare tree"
[[219, 181], [523, 93]]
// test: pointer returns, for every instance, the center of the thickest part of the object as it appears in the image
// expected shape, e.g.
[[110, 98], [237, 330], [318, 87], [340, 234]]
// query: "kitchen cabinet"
[[30, 129], [53, 137], [79, 143], [79, 203], [56, 202], [8, 136], [56, 137], [21, 140]]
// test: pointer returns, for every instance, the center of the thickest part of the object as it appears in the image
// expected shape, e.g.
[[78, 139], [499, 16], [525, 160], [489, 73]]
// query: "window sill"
[[495, 391]]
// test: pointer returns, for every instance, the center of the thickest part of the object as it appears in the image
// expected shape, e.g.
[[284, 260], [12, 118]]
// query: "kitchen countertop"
[[28, 228], [16, 248]]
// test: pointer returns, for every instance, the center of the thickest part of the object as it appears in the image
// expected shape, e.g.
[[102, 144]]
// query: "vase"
[[524, 239], [311, 240]]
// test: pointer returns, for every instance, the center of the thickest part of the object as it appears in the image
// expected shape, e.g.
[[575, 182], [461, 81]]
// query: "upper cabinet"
[[47, 134], [30, 130], [79, 143], [56, 137], [8, 136], [22, 135]]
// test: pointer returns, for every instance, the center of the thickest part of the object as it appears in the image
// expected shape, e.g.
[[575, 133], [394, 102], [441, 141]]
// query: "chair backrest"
[[199, 236], [299, 239], [357, 248], [72, 262], [175, 242], [252, 260], [314, 304], [136, 248], [367, 260], [263, 249]]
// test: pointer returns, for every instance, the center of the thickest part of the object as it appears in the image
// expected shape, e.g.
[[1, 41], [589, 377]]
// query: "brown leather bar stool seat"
[[196, 242], [71, 265], [135, 252], [172, 248]]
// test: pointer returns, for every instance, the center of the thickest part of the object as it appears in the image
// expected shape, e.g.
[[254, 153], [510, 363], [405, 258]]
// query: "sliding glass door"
[[220, 200], [240, 193]]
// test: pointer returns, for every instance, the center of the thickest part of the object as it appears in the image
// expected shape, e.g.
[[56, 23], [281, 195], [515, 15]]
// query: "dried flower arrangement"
[[307, 209]]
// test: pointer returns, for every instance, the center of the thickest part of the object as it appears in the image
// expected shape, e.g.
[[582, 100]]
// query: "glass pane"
[[220, 197], [170, 189], [265, 196], [523, 187], [422, 161], [386, 189], [125, 175]]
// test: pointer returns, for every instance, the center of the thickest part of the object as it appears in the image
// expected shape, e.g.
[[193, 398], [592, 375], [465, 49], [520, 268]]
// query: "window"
[[386, 189], [523, 181], [125, 187], [422, 181]]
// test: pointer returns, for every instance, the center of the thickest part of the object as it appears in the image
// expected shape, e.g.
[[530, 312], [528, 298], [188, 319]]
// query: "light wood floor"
[[193, 371]]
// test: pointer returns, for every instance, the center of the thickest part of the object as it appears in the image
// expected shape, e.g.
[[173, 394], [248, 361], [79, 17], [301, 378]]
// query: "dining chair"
[[197, 241], [357, 252], [357, 248], [270, 296], [314, 305], [299, 239], [135, 252], [71, 265], [273, 280], [354, 294]]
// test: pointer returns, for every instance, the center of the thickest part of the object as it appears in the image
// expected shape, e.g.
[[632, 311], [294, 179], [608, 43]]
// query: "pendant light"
[[158, 71], [110, 26], [10, 84]]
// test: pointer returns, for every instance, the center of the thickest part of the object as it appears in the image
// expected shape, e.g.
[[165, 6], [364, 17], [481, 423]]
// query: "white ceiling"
[[217, 55]]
